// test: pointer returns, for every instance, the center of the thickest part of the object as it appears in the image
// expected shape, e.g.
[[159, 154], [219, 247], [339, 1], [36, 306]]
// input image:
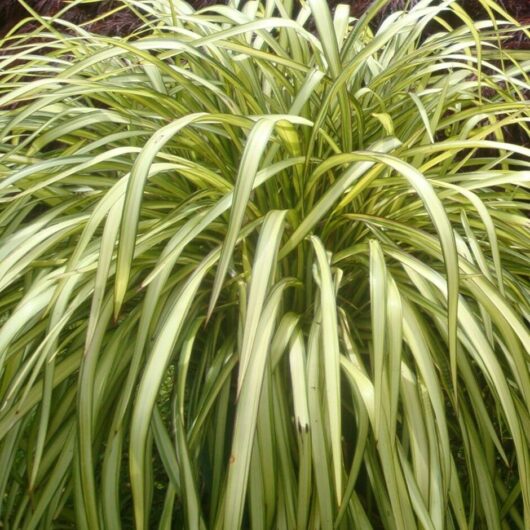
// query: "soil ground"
[[123, 22]]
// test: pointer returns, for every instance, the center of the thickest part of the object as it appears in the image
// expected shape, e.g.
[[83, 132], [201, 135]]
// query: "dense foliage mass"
[[259, 276]]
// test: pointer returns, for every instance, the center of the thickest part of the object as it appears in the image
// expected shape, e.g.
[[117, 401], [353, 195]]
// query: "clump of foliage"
[[257, 276]]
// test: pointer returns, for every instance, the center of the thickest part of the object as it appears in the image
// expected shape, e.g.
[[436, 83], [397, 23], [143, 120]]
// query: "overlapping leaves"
[[256, 277]]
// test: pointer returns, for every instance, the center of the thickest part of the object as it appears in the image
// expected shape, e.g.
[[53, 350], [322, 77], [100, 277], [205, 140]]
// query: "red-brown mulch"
[[120, 23], [124, 21]]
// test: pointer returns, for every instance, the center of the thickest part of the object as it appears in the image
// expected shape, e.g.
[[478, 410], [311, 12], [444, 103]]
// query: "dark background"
[[123, 22]]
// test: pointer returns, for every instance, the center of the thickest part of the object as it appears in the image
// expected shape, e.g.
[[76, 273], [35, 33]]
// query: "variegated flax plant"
[[265, 267]]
